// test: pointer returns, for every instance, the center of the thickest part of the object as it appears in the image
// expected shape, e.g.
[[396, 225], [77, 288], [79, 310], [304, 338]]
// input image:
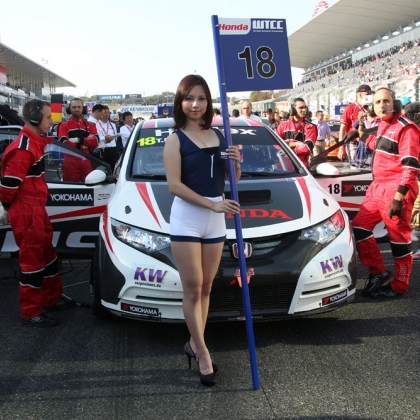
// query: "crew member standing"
[[80, 134], [324, 132], [127, 128], [23, 193], [390, 198], [298, 132], [107, 140], [349, 117]]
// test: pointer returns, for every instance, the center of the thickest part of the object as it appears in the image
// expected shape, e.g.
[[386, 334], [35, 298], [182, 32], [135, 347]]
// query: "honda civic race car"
[[299, 248]]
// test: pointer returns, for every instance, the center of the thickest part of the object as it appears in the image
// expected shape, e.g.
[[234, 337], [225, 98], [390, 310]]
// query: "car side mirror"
[[327, 169], [95, 177]]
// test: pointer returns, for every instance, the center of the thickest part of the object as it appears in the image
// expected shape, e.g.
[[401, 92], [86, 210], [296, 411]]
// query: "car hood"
[[268, 207]]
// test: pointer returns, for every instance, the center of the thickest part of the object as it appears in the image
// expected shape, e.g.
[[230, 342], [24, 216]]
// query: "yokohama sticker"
[[334, 298], [79, 197], [140, 310], [354, 188]]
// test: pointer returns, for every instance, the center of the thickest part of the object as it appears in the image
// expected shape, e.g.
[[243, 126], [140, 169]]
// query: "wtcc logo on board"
[[267, 25]]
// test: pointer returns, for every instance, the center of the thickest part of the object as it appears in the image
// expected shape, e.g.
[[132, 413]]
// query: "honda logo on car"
[[261, 213], [149, 277], [334, 298], [140, 310], [247, 249]]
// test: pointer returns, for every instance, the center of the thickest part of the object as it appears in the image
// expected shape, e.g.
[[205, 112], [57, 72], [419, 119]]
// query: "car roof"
[[218, 121]]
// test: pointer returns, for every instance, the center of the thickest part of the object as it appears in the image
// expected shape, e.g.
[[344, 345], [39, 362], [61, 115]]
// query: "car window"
[[259, 148], [69, 166]]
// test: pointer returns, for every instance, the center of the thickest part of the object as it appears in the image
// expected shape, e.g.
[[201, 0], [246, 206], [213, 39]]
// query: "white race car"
[[300, 252]]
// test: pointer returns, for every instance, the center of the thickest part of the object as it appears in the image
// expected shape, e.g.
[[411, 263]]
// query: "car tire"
[[97, 308]]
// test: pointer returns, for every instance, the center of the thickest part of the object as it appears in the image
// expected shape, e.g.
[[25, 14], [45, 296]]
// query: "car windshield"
[[261, 153]]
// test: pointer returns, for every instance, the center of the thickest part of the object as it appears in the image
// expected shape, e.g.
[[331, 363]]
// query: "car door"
[[73, 206]]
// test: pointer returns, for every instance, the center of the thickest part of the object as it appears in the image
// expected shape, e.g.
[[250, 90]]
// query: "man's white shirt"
[[251, 117], [125, 132]]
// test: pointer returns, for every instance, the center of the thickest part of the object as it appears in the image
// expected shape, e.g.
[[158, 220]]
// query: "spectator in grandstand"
[[298, 132], [389, 198], [235, 113], [24, 193], [127, 128], [246, 111], [324, 133], [349, 117], [152, 117], [97, 111], [80, 134]]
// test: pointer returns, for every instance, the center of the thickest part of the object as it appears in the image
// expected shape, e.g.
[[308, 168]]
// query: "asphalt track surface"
[[359, 362]]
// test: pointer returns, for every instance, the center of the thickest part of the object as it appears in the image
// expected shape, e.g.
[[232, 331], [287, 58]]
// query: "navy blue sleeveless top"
[[202, 170]]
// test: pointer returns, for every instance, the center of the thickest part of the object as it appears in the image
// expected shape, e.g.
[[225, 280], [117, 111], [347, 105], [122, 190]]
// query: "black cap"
[[364, 88]]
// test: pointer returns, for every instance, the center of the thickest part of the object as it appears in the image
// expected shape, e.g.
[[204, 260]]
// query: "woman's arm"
[[234, 154], [172, 162]]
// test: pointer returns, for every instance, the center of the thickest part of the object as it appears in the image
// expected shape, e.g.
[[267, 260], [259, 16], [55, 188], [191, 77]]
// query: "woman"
[[195, 169]]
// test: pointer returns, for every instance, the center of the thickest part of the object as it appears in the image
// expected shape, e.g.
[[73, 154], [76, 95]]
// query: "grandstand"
[[22, 78], [355, 42]]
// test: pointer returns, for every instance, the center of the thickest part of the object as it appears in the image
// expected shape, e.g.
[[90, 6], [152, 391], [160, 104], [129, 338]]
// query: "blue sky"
[[132, 46]]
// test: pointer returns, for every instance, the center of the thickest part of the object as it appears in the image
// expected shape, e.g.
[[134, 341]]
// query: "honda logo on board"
[[247, 250]]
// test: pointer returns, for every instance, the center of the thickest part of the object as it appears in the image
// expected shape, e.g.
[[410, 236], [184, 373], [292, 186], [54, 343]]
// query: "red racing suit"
[[304, 134], [74, 168], [395, 166], [351, 115], [24, 193]]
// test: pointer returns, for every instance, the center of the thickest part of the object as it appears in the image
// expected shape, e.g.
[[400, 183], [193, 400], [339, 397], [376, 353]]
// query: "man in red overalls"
[[80, 134], [299, 133], [390, 198], [23, 193]]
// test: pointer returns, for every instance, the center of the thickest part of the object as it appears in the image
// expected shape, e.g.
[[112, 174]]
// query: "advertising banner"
[[141, 109], [110, 97]]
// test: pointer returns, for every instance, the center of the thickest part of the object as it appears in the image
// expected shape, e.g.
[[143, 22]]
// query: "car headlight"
[[140, 239], [326, 231]]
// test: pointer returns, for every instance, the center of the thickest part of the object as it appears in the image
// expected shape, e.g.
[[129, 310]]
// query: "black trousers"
[[110, 155]]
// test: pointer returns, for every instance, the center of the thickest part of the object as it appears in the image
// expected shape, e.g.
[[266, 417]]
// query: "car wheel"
[[97, 309]]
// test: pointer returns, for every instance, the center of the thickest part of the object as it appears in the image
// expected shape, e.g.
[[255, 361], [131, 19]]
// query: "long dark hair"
[[184, 88]]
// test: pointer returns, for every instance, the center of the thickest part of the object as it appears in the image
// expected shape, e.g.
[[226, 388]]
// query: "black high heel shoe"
[[207, 380], [190, 354]]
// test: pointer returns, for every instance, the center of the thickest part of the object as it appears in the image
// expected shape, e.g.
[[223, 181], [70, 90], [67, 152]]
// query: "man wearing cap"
[[349, 117]]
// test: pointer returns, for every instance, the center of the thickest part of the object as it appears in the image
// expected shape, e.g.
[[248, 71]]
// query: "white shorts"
[[190, 223]]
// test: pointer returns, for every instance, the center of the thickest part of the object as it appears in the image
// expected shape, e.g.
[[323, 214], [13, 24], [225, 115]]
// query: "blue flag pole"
[[237, 218]]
